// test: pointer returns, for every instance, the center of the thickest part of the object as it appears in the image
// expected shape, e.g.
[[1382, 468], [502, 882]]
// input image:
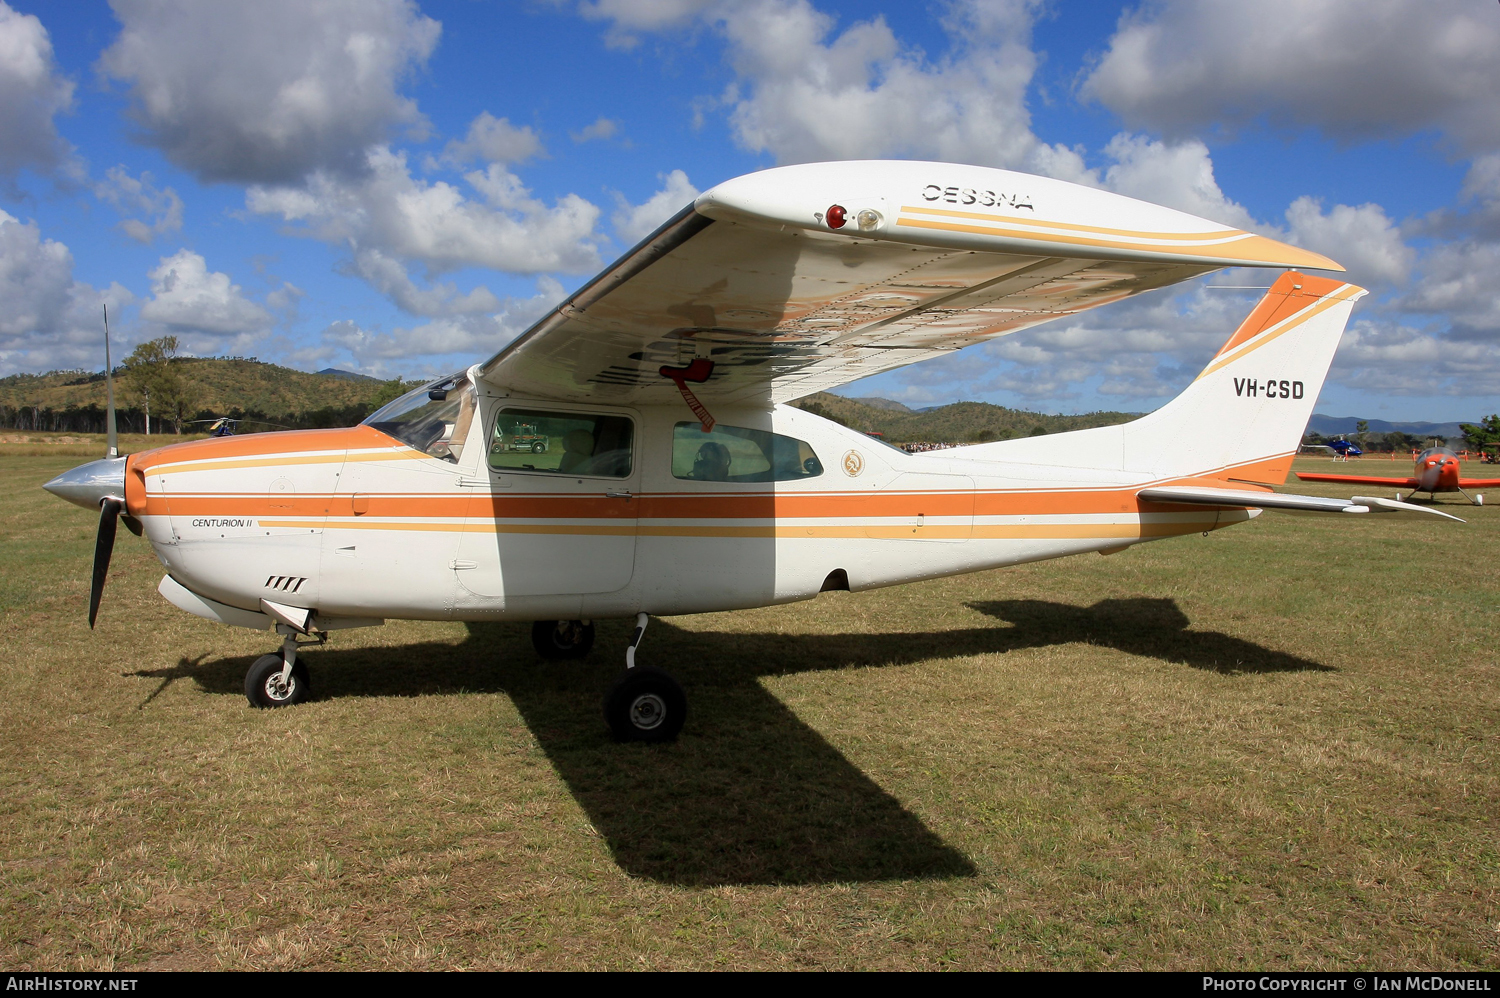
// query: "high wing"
[[1409, 483], [799, 279]]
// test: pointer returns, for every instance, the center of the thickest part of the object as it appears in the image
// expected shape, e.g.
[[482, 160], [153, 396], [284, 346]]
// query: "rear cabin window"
[[740, 454], [561, 443]]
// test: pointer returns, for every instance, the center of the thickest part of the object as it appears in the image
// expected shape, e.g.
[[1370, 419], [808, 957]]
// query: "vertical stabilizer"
[[1242, 418], [1244, 415]]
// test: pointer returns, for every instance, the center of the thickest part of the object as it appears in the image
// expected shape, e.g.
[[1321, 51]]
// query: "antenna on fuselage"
[[111, 440]]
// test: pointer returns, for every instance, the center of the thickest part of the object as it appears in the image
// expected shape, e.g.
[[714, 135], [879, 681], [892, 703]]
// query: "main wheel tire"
[[645, 705], [556, 640], [263, 683], [538, 447]]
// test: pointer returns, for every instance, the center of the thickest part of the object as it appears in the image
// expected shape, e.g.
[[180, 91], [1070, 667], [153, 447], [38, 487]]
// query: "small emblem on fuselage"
[[854, 463]]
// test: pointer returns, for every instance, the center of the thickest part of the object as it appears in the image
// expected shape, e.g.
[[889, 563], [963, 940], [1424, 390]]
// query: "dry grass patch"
[[1270, 747]]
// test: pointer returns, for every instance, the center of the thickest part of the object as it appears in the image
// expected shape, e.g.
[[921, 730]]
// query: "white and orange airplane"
[[632, 454], [1437, 470]]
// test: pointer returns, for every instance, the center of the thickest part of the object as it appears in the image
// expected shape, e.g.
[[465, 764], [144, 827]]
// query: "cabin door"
[[559, 510]]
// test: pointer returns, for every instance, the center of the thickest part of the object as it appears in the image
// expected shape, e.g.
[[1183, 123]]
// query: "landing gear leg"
[[641, 620], [1467, 496], [645, 704], [278, 680]]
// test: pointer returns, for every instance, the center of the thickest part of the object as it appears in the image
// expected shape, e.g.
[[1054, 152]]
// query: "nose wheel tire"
[[645, 705], [263, 686], [556, 640]]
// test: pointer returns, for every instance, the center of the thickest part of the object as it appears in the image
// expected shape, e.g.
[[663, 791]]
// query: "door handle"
[[625, 494]]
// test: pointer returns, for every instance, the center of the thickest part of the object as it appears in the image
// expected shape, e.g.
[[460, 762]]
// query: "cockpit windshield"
[[433, 419]]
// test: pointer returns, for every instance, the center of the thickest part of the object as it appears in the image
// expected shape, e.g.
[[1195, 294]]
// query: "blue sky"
[[400, 188]]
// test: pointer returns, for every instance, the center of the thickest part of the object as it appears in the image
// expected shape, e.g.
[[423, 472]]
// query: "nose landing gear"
[[645, 704], [278, 679]]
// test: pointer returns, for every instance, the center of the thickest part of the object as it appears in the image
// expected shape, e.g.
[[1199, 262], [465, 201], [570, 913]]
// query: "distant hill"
[[1330, 426], [961, 422], [880, 403], [278, 394], [334, 372]]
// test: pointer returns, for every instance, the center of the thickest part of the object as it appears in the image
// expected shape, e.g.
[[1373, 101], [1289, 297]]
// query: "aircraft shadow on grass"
[[750, 794]]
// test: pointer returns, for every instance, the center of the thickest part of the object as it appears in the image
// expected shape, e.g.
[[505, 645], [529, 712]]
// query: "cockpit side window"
[[588, 445], [434, 419]]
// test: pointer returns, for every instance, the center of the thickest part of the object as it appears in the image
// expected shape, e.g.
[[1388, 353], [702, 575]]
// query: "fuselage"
[[519, 513]]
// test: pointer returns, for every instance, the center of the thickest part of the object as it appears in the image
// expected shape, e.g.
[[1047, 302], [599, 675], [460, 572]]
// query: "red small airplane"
[[1437, 471]]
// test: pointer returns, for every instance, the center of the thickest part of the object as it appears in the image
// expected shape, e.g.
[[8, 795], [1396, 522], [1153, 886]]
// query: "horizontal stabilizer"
[[1378, 505], [1197, 496]]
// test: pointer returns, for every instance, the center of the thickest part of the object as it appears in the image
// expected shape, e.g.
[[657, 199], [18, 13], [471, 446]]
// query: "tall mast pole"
[[111, 442]]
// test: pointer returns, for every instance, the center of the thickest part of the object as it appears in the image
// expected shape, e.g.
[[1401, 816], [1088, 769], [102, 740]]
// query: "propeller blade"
[[109, 516]]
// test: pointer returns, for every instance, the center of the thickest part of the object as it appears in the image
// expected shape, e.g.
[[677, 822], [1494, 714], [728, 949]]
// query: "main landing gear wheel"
[[264, 688], [645, 705], [562, 639]]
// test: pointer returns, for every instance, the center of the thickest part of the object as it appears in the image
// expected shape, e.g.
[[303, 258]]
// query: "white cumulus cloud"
[[1361, 238], [49, 320], [267, 92], [805, 92], [432, 347], [138, 195], [628, 19], [390, 221], [1176, 174], [634, 222], [1355, 69], [188, 298], [602, 128], [493, 140], [32, 93], [1382, 357]]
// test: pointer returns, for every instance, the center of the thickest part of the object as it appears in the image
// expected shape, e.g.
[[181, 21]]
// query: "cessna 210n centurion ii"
[[632, 454]]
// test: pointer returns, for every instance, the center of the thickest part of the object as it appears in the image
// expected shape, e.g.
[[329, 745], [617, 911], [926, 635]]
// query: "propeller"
[[104, 546], [99, 485]]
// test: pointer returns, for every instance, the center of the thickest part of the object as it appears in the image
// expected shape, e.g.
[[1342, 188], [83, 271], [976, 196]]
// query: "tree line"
[[1484, 435]]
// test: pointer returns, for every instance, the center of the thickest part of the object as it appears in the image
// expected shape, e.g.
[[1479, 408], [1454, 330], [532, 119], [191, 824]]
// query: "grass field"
[[1273, 747]]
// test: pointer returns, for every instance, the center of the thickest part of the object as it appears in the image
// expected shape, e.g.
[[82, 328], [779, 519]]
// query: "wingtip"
[[1262, 251]]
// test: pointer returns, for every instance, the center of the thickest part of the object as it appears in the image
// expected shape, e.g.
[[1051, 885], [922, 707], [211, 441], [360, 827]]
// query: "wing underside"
[[785, 306]]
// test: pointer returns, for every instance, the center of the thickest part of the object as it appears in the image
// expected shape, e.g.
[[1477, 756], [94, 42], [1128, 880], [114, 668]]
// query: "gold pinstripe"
[[1275, 332]]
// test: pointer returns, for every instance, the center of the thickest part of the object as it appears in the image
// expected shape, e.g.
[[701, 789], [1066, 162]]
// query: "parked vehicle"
[[525, 437]]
